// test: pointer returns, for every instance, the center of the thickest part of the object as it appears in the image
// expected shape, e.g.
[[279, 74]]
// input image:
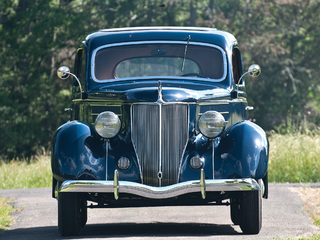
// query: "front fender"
[[243, 152], [76, 154]]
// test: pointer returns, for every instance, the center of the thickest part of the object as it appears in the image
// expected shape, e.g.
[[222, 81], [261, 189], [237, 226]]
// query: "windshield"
[[158, 59], [154, 66]]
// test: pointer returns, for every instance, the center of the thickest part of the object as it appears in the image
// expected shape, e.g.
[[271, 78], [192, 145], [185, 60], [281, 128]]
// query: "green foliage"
[[34, 173], [294, 158], [38, 36], [5, 210], [28, 90], [317, 223], [286, 51]]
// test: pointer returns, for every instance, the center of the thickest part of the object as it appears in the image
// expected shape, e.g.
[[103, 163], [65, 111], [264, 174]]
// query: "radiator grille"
[[159, 134]]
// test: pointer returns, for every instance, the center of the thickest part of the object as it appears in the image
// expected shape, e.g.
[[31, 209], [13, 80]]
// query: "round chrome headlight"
[[196, 162], [211, 124], [123, 163], [107, 124]]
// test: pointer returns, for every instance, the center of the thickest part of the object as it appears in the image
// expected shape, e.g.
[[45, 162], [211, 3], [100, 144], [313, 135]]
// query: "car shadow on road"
[[117, 230], [50, 232], [157, 229]]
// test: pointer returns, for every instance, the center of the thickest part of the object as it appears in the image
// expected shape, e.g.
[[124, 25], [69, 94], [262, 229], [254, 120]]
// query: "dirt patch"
[[311, 199]]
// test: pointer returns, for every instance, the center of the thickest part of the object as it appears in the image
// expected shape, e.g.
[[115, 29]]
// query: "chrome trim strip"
[[157, 77], [217, 185], [160, 101], [215, 102], [102, 104], [107, 154], [212, 142], [116, 185], [203, 184], [160, 143]]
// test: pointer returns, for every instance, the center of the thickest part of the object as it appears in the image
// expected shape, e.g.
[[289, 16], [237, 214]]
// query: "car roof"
[[163, 28], [197, 34]]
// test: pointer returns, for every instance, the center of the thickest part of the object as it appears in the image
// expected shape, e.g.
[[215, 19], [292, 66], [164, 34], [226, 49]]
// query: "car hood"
[[168, 91]]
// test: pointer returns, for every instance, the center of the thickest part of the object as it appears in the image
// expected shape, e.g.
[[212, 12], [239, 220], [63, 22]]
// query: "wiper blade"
[[185, 53]]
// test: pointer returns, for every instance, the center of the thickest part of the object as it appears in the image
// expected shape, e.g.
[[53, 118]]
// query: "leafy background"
[[37, 36]]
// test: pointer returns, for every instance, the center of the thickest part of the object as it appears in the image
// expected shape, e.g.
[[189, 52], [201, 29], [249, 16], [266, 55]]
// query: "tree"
[[31, 98]]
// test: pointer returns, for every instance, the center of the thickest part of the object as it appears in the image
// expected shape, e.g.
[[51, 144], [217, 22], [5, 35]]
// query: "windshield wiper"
[[185, 53]]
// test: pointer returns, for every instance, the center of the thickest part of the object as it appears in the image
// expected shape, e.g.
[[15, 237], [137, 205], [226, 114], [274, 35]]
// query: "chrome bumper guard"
[[202, 186]]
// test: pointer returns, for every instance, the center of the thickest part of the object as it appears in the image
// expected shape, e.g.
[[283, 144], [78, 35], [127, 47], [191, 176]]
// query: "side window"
[[236, 65]]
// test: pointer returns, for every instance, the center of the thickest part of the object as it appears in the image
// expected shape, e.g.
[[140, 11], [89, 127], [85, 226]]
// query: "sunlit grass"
[[294, 158], [35, 173], [5, 217]]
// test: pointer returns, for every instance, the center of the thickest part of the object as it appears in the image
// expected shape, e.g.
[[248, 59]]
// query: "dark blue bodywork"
[[241, 152], [79, 153]]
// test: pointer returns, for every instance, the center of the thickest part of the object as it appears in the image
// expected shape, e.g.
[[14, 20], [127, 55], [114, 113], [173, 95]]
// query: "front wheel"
[[251, 212], [235, 211], [72, 213]]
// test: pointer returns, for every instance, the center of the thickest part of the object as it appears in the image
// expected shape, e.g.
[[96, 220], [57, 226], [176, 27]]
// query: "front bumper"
[[202, 186]]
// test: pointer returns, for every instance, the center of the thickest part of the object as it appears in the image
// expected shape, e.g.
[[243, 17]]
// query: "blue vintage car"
[[159, 116]]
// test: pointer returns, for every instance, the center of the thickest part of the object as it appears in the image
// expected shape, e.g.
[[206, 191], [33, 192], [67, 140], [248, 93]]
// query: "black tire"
[[235, 211], [72, 213], [251, 212], [84, 212]]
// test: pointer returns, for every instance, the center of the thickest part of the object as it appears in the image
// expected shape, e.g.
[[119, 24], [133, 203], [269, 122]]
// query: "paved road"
[[283, 217]]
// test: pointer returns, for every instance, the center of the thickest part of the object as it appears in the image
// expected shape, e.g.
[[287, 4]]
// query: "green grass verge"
[[5, 210], [294, 158], [35, 173], [23, 174]]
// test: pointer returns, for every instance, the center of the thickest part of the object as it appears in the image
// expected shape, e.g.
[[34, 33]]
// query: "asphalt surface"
[[36, 218]]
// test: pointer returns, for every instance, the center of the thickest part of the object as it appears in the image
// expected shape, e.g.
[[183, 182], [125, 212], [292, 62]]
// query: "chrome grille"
[[159, 135]]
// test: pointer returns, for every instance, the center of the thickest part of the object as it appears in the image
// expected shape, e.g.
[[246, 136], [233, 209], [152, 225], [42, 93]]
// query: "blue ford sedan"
[[159, 116]]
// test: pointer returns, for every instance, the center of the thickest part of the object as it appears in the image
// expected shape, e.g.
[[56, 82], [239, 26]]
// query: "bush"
[[294, 158]]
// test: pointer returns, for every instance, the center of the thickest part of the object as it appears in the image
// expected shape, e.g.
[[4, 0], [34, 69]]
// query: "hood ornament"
[[160, 99]]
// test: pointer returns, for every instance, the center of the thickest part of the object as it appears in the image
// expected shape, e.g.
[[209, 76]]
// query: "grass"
[[311, 199], [5, 210], [294, 158], [35, 173]]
